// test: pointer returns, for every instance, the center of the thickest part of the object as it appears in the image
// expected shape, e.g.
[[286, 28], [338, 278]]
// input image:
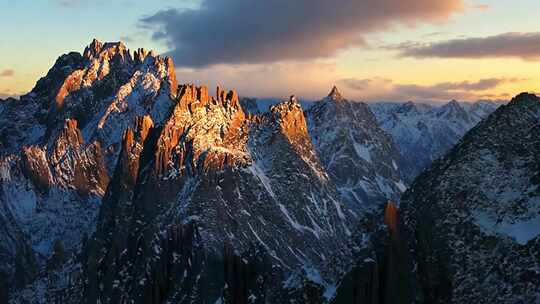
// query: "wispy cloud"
[[246, 31], [386, 89], [7, 73], [525, 46]]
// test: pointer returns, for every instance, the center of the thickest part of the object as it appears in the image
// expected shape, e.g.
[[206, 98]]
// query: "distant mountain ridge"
[[422, 132], [425, 132]]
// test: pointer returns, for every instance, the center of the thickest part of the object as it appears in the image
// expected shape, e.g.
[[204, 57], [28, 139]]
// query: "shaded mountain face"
[[358, 155], [423, 132], [475, 214], [59, 145]]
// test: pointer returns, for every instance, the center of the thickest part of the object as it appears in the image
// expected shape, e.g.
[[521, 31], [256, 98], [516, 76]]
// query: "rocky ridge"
[[424, 133], [474, 214]]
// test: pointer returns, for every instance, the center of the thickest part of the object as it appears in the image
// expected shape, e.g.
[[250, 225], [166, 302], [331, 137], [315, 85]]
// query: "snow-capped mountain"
[[60, 142], [359, 156], [120, 185], [474, 215], [217, 189], [426, 132], [117, 185]]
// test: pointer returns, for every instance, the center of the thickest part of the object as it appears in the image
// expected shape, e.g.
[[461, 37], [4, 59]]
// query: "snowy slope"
[[360, 158], [425, 132], [474, 214]]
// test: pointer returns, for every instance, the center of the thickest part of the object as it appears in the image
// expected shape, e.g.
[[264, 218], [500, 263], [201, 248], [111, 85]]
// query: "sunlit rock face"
[[59, 145], [220, 192], [474, 214]]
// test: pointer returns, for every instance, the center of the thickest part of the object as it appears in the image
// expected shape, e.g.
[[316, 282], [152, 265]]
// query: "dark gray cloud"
[[466, 90], [7, 73], [247, 31], [518, 45]]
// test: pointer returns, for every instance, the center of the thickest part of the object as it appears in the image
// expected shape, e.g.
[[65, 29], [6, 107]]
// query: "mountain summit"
[[335, 94]]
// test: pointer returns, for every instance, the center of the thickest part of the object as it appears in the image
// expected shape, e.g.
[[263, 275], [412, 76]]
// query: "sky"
[[373, 50]]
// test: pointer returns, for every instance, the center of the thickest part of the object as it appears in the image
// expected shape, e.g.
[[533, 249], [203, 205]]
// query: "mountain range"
[[119, 185]]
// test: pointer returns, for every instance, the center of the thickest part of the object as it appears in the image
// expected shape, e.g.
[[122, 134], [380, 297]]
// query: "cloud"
[[246, 31], [525, 46], [386, 89], [363, 84], [7, 73]]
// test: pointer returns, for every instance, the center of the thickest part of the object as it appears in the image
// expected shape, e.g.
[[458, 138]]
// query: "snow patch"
[[362, 151], [401, 186], [257, 171], [521, 231]]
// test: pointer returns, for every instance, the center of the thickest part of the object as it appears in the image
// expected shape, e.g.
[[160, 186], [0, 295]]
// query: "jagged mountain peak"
[[290, 117], [93, 48], [454, 111], [426, 132], [106, 51], [191, 97], [335, 94], [286, 105], [359, 156], [452, 104]]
